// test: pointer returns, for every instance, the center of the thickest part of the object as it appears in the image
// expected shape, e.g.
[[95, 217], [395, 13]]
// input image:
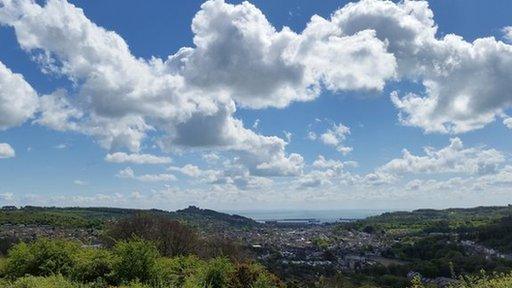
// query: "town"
[[290, 249]]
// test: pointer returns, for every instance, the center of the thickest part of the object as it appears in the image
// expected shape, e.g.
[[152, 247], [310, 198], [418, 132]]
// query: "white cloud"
[[507, 121], [464, 82], [288, 136], [126, 173], [57, 112], [6, 151], [507, 33], [256, 124], [18, 101], [120, 157], [210, 157], [156, 178], [80, 183], [61, 146], [335, 136], [7, 196], [289, 166], [239, 51], [130, 174], [312, 135], [189, 170], [133, 95], [454, 158], [323, 163], [240, 59]]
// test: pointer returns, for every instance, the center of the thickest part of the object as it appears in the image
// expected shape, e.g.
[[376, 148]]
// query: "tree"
[[41, 258], [134, 260], [171, 237]]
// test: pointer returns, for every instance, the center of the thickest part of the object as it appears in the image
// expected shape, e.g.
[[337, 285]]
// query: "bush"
[[215, 274], [41, 258], [92, 265], [135, 264], [56, 281], [266, 280], [173, 272], [171, 237], [6, 243], [254, 276], [135, 260]]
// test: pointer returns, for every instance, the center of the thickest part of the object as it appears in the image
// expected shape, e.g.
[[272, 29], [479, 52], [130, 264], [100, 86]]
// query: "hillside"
[[431, 220], [95, 217]]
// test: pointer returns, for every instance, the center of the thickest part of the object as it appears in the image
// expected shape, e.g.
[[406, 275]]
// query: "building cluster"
[[312, 245], [29, 232]]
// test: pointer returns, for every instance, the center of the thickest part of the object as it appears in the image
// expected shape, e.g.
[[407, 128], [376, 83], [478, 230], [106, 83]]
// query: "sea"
[[322, 216]]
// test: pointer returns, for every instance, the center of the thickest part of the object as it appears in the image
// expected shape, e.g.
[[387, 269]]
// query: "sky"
[[256, 105]]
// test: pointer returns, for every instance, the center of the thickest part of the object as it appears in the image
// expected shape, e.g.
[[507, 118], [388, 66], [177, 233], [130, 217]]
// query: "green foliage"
[[477, 281], [442, 256], [496, 281], [429, 220], [215, 274], [92, 265], [55, 281], [320, 242], [96, 217], [54, 217], [173, 272], [266, 280], [497, 235], [135, 260], [171, 237], [41, 258]]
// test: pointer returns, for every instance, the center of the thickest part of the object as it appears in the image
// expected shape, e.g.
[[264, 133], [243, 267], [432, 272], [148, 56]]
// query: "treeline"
[[144, 250], [497, 235], [96, 217], [430, 220], [432, 257]]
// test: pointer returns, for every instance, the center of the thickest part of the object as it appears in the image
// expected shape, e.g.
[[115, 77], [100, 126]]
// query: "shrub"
[[266, 280], [92, 265], [135, 260], [215, 274], [55, 281], [172, 272], [6, 243], [41, 258], [252, 275], [171, 237]]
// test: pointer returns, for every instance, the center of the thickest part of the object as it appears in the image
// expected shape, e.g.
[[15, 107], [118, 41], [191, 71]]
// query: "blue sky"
[[269, 108]]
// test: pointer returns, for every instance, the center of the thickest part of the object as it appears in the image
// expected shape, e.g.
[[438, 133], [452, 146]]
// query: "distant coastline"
[[321, 216]]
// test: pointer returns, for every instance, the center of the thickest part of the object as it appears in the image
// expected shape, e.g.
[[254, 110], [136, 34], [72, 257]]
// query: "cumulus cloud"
[[454, 158], [322, 162], [464, 82], [239, 51], [507, 33], [189, 170], [211, 157], [507, 121], [121, 157], [6, 151], [128, 173], [239, 58], [120, 98], [335, 136], [18, 100]]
